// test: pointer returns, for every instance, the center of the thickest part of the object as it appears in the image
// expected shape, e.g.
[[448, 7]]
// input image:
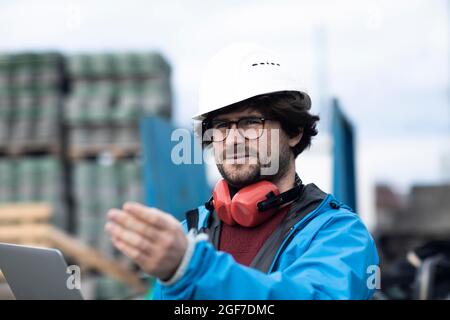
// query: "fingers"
[[153, 216], [150, 237], [131, 238], [128, 221], [136, 255]]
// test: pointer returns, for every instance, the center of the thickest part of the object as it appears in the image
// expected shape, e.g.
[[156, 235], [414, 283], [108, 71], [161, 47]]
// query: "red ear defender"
[[243, 208], [222, 202]]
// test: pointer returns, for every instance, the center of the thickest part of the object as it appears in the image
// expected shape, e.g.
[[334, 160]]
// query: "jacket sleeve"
[[334, 266]]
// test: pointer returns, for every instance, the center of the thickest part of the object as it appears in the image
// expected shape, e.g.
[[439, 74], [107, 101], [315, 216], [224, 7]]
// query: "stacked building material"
[[31, 92], [34, 179], [98, 187], [110, 92], [69, 135], [32, 88]]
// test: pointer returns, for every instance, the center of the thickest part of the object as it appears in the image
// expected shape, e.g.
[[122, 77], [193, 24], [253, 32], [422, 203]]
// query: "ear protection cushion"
[[222, 202], [243, 209], [244, 206]]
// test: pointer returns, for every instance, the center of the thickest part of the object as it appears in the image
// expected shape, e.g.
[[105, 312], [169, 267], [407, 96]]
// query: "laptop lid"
[[37, 273]]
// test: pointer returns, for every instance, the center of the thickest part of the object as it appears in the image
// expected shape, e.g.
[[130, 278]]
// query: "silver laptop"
[[37, 273]]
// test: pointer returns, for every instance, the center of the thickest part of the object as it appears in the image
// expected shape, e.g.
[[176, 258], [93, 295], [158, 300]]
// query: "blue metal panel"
[[168, 186], [344, 178]]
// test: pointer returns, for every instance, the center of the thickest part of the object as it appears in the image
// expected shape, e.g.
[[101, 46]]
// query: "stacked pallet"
[[98, 187], [34, 179], [110, 92], [31, 92], [32, 88], [69, 136]]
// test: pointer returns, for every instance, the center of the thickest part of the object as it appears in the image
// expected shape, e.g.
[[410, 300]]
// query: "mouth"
[[240, 159], [238, 156]]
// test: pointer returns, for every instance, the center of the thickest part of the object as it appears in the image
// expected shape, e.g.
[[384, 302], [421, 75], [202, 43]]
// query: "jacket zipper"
[[294, 229]]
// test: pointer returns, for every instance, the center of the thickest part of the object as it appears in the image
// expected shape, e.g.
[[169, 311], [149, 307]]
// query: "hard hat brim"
[[307, 104]]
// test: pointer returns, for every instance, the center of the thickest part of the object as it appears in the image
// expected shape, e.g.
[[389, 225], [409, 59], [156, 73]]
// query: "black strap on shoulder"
[[276, 201], [192, 219], [209, 204]]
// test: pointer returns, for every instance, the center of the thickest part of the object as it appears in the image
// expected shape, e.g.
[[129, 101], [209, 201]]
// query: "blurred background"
[[90, 92]]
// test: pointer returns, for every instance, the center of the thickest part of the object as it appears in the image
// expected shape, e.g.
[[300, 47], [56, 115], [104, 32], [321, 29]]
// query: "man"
[[263, 234]]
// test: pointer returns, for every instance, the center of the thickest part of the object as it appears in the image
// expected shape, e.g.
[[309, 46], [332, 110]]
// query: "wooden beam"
[[94, 259], [25, 233], [24, 212]]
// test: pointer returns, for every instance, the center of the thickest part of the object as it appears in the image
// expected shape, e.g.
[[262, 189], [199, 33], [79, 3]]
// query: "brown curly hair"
[[290, 108]]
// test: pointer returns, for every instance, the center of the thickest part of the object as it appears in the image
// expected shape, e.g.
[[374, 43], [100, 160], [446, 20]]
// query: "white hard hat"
[[242, 71]]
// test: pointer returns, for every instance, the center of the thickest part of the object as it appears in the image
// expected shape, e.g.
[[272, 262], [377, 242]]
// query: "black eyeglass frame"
[[207, 125]]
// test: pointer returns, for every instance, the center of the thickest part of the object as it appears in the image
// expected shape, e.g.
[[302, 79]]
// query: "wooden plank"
[[24, 212], [25, 233], [92, 258], [116, 152], [32, 147]]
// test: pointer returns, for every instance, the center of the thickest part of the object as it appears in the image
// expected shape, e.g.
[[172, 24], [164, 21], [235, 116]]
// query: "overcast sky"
[[388, 62]]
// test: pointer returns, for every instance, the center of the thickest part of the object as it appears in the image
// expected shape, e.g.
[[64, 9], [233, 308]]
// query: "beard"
[[239, 175]]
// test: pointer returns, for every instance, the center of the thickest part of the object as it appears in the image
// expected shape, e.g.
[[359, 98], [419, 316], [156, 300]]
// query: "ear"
[[293, 141]]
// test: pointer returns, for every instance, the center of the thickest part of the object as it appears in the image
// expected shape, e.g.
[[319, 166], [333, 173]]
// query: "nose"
[[234, 137]]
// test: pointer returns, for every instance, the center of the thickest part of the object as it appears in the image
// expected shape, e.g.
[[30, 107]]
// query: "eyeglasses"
[[250, 128]]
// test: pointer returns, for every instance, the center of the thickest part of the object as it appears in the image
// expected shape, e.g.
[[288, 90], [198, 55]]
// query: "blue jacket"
[[326, 253]]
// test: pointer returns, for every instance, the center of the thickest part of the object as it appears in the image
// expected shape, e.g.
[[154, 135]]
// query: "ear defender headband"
[[251, 205]]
